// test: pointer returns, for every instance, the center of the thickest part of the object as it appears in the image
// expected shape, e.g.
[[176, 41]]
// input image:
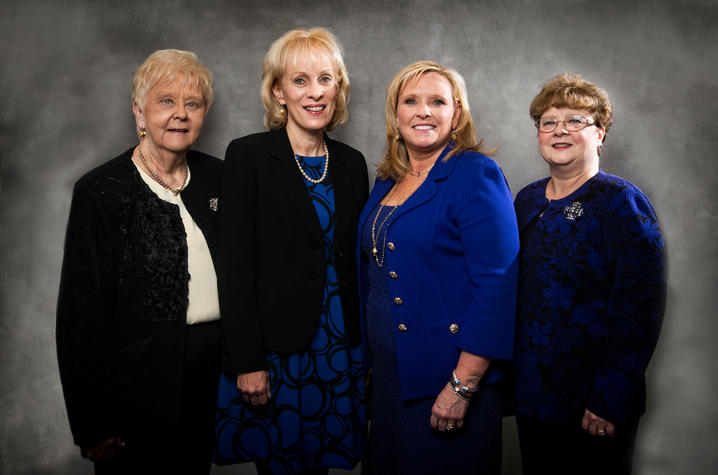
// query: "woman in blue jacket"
[[438, 250], [591, 293]]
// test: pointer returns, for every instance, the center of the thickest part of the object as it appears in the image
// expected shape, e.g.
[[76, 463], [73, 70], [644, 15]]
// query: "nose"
[[316, 91], [560, 128], [180, 112], [423, 111]]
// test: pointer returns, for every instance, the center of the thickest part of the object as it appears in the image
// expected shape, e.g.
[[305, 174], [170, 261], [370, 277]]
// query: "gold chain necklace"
[[375, 232], [326, 166], [175, 191], [419, 173]]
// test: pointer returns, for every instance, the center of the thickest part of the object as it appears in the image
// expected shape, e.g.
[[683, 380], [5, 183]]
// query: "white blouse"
[[203, 299]]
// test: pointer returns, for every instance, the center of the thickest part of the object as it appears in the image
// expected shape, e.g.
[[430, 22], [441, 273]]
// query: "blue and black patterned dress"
[[316, 417]]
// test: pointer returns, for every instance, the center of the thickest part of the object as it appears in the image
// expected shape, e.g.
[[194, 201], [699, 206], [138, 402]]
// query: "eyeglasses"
[[572, 123]]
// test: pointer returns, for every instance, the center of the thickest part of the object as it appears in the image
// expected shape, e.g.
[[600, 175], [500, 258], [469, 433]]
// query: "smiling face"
[[308, 89], [172, 116], [426, 112], [570, 151]]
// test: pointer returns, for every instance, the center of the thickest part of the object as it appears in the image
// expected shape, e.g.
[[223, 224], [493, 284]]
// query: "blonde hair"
[[316, 43], [169, 65], [395, 163], [575, 92]]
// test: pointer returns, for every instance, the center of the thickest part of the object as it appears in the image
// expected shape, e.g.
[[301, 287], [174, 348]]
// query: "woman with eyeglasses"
[[591, 293]]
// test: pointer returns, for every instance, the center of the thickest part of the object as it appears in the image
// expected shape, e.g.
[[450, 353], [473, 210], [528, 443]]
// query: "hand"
[[595, 425], [254, 387], [448, 411], [103, 451]]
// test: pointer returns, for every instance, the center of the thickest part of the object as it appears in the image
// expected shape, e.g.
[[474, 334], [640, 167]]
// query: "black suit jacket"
[[123, 299], [271, 263]]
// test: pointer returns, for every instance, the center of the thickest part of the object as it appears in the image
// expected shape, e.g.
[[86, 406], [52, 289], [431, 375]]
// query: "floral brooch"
[[573, 211], [213, 203]]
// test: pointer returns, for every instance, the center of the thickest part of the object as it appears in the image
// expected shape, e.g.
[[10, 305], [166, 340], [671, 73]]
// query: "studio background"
[[66, 76]]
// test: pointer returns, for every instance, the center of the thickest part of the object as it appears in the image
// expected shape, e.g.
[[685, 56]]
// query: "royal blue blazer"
[[452, 251]]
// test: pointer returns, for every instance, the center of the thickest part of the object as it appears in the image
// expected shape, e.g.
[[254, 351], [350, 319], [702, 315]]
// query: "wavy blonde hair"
[[395, 162], [316, 43]]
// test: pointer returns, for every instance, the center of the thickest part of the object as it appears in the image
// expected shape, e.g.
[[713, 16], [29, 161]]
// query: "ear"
[[457, 114], [139, 116], [601, 134], [278, 94]]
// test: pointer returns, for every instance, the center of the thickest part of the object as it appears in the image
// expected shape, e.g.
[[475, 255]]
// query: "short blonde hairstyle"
[[170, 65], [395, 163], [316, 43], [575, 92]]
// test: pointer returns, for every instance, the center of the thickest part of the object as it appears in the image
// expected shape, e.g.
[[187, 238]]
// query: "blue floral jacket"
[[591, 300]]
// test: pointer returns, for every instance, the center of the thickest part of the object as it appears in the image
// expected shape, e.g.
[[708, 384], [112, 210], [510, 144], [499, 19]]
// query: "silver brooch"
[[213, 203], [573, 211]]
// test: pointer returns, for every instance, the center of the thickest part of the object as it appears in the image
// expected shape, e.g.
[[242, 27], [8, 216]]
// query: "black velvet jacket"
[[124, 295], [271, 263]]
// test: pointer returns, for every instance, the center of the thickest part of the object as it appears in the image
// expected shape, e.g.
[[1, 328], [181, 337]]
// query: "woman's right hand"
[[254, 387], [103, 451]]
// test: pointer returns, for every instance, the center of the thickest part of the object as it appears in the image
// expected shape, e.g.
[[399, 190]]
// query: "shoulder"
[[348, 155], [115, 174], [627, 215], [532, 191], [344, 149], [621, 197], [250, 144], [202, 161], [255, 139], [474, 170], [475, 165]]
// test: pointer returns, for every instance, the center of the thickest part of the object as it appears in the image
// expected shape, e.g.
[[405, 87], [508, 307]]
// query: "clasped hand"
[[596, 425], [254, 387], [448, 411]]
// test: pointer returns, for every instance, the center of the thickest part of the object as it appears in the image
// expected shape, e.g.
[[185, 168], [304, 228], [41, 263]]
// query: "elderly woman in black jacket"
[[138, 334]]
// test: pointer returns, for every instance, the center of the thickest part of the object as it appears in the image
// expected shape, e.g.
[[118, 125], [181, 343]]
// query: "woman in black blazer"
[[292, 398]]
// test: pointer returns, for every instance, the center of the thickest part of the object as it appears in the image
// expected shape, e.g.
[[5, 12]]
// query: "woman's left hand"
[[595, 425], [448, 411]]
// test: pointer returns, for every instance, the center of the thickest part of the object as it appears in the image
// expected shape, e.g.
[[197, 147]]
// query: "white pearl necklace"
[[326, 166]]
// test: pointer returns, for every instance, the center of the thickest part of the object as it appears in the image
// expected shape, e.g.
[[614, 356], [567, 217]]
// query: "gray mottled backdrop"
[[66, 72]]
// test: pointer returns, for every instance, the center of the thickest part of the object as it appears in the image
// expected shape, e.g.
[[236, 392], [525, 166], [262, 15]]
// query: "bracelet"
[[456, 383], [461, 390], [460, 394]]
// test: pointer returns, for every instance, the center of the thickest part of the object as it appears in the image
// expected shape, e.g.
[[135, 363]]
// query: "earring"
[[397, 137], [142, 133], [453, 133], [281, 110]]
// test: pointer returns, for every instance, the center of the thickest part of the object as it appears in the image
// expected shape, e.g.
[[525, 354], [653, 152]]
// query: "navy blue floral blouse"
[[591, 300]]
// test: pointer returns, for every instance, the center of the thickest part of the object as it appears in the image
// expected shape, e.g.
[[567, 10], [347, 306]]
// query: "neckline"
[[162, 193], [571, 195]]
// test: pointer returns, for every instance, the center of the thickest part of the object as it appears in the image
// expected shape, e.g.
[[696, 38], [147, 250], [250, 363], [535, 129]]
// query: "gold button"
[[391, 246], [454, 328], [401, 327], [393, 275], [398, 300]]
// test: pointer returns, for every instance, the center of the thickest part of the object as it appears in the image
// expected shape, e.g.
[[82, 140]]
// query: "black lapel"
[[198, 198], [343, 191], [291, 181]]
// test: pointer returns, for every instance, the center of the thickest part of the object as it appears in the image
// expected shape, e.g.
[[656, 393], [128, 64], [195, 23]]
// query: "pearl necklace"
[[326, 166], [375, 232], [175, 191]]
